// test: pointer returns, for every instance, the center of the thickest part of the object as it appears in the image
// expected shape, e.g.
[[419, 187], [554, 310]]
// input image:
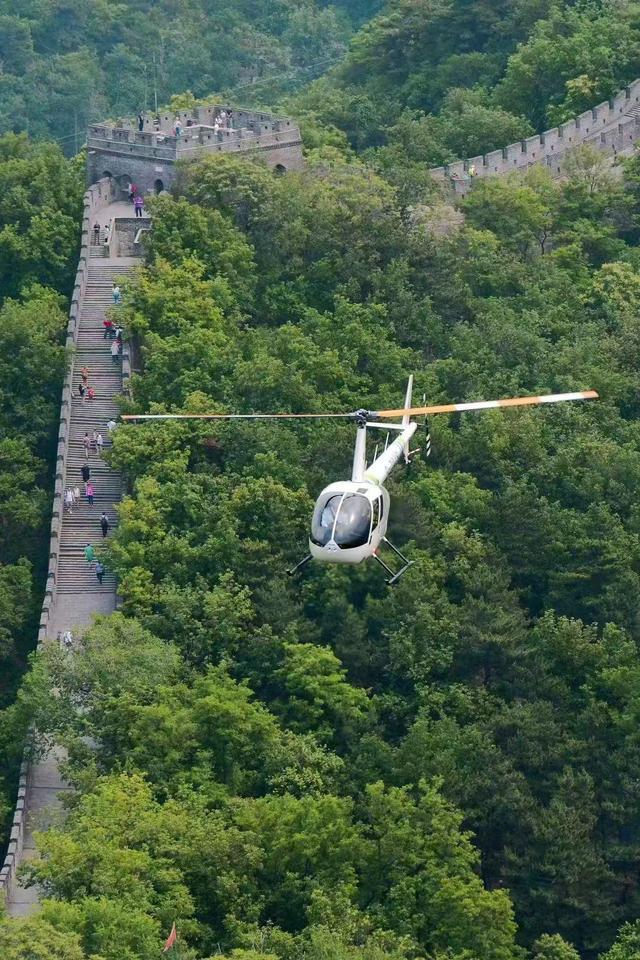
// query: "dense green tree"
[[39, 939]]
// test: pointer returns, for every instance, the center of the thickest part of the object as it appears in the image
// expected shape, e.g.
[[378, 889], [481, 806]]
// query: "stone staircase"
[[78, 594], [81, 527], [73, 595]]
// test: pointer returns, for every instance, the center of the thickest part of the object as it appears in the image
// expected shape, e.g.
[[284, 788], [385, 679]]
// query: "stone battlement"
[[613, 126], [147, 157]]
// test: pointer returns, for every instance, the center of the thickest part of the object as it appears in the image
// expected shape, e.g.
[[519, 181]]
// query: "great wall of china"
[[612, 126], [121, 154]]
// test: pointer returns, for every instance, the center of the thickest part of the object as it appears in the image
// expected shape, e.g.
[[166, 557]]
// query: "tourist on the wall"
[[99, 570], [89, 553], [104, 524], [115, 350], [140, 122], [115, 293], [177, 127], [138, 204], [108, 329], [130, 191], [90, 493]]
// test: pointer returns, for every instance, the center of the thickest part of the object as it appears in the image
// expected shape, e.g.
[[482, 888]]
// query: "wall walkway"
[[73, 594]]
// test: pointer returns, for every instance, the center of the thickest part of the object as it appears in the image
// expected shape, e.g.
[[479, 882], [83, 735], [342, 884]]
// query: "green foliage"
[[66, 66], [325, 768], [40, 212], [481, 670], [39, 939], [627, 944]]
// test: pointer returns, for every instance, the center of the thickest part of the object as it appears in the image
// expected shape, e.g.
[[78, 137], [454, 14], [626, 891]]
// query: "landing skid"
[[394, 577]]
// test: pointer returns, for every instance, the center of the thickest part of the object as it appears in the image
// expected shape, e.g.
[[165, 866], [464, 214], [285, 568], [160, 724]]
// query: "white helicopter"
[[350, 517]]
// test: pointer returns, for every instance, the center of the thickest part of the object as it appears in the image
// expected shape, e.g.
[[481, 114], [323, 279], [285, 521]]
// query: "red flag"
[[171, 939]]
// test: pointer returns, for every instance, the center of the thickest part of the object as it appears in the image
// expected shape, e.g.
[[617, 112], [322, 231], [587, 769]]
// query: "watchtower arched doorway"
[[279, 170], [123, 184], [158, 186]]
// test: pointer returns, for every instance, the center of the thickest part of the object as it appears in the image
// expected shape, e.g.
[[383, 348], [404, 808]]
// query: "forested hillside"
[[65, 63], [324, 768], [289, 768], [426, 83], [40, 209]]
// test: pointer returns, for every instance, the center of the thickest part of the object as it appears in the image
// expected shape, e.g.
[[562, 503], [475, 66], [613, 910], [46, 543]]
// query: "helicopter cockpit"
[[344, 518]]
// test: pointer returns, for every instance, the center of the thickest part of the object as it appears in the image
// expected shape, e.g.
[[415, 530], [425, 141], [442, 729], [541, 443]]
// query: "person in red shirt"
[[108, 329]]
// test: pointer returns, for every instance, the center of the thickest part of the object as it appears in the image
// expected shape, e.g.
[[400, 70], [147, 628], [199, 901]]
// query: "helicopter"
[[350, 517]]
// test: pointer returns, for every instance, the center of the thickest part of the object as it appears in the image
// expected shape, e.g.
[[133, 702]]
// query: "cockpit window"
[[324, 518], [345, 519]]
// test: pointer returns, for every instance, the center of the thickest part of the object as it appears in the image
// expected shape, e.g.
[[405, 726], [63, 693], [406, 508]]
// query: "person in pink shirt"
[[90, 492]]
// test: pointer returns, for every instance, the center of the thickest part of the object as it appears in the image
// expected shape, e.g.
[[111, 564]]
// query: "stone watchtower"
[[147, 157]]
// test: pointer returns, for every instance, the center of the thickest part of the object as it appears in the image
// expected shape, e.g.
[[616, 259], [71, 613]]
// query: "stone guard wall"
[[612, 126], [98, 196]]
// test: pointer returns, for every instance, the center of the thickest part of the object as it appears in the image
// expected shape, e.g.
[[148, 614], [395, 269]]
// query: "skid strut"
[[394, 577], [301, 563]]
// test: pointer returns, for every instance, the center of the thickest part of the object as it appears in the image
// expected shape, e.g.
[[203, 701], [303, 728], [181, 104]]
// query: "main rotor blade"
[[237, 416], [488, 404]]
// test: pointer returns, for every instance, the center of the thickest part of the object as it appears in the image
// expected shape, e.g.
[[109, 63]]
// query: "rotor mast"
[[360, 452]]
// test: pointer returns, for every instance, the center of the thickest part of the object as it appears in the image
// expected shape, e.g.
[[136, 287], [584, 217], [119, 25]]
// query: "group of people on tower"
[[223, 120]]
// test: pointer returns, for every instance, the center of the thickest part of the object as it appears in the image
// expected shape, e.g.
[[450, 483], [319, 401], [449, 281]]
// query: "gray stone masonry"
[[613, 127], [148, 157], [74, 595]]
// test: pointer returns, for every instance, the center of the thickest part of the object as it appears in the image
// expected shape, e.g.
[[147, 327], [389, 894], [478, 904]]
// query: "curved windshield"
[[324, 517], [353, 521], [345, 519]]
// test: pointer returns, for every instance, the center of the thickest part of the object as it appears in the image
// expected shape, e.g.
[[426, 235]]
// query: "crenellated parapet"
[[612, 126], [147, 157]]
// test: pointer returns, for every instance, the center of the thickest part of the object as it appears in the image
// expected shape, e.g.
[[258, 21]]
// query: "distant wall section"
[[613, 127]]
